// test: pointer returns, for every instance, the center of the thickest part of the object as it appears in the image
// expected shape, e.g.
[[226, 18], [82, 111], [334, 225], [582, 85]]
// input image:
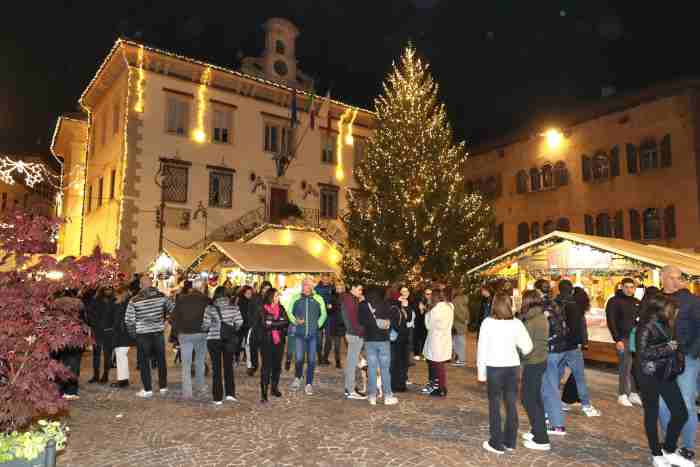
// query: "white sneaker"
[[536, 446], [660, 461], [624, 400], [458, 363], [528, 436], [635, 399], [231, 399], [591, 411], [677, 460], [309, 390], [416, 358], [391, 400], [144, 394], [218, 402], [489, 448], [296, 384], [356, 396], [372, 400], [164, 390]]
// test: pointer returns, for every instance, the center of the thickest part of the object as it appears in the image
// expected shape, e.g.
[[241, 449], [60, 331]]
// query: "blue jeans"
[[551, 396], [688, 383], [574, 360], [378, 357], [198, 344], [305, 344]]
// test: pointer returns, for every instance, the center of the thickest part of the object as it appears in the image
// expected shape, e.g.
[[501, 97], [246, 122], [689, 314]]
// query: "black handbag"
[[227, 332], [666, 368]]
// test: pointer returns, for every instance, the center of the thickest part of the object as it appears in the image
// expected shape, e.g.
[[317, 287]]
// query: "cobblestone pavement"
[[111, 427]]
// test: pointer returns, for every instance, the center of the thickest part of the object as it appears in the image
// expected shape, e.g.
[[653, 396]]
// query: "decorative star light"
[[33, 172]]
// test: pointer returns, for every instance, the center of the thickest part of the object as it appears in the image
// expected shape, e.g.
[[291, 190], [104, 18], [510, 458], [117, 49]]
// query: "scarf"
[[274, 311]]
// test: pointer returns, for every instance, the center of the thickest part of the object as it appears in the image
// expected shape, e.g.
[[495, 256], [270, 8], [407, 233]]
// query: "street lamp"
[[554, 138]]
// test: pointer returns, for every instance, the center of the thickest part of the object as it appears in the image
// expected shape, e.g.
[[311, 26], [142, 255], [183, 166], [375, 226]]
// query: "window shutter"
[[184, 117], [619, 225], [666, 151], [631, 158], [588, 224], [615, 162], [586, 168], [172, 115]]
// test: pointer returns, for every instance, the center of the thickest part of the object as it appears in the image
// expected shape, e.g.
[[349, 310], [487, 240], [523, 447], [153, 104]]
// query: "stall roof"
[[184, 257], [270, 258], [652, 255]]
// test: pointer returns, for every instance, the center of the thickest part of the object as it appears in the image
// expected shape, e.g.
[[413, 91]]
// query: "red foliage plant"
[[32, 326]]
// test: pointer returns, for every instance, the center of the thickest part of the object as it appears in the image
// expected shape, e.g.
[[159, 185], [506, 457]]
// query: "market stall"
[[597, 264]]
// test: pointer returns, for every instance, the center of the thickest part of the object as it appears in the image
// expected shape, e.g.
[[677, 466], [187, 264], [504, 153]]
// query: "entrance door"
[[278, 199]]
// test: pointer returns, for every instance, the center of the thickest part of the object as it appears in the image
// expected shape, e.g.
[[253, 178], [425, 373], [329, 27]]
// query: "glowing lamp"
[[554, 138], [164, 263], [339, 175], [199, 136], [54, 275], [349, 140]]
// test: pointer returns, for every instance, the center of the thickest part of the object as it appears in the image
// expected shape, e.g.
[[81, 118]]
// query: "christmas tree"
[[413, 217]]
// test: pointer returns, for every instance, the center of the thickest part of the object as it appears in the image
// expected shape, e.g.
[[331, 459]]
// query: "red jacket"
[[349, 310]]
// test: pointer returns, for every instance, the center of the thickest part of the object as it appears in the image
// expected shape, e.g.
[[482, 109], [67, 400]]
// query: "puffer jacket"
[[652, 346]]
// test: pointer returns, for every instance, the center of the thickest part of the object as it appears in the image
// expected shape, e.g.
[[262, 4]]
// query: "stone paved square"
[[114, 428]]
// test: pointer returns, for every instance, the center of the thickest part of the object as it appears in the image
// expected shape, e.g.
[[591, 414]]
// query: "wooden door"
[[278, 199]]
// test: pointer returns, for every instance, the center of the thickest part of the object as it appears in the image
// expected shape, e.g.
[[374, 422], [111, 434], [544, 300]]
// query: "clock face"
[[280, 68], [279, 47]]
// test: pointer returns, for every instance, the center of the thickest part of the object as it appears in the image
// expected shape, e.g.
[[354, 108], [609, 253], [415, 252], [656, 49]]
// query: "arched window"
[[563, 224], [602, 225], [635, 225], [523, 233], [648, 155], [547, 176], [588, 224], [561, 175], [535, 230], [652, 224], [521, 182], [548, 227], [535, 179], [670, 221], [601, 166]]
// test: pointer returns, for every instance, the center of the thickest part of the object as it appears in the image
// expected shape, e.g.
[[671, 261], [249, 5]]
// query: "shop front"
[[597, 264]]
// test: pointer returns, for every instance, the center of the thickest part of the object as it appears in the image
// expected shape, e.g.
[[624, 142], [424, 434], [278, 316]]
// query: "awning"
[[263, 258], [184, 257], [651, 255]]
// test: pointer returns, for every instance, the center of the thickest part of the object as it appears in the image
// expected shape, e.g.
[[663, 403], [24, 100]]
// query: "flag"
[[294, 118]]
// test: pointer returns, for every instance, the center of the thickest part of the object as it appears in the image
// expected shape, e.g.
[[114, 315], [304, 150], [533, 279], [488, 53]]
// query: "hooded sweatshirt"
[[537, 327]]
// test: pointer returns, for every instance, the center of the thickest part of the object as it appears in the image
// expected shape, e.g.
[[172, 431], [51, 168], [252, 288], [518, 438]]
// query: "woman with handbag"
[[272, 326], [121, 338], [657, 363], [222, 319], [438, 344]]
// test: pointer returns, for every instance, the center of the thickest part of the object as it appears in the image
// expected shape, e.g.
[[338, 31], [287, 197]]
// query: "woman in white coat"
[[438, 345]]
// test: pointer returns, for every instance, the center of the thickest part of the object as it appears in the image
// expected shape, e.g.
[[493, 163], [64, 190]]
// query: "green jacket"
[[461, 314], [312, 309], [538, 327]]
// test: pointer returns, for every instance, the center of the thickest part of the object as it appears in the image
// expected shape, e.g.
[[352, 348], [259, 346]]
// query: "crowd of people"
[[525, 345]]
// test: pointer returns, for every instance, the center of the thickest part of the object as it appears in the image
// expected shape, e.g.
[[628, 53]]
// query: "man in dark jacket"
[[622, 312], [687, 334], [354, 335], [325, 289], [187, 323], [252, 342]]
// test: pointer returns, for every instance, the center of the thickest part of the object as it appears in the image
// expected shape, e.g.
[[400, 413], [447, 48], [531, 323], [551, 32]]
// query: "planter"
[[47, 458]]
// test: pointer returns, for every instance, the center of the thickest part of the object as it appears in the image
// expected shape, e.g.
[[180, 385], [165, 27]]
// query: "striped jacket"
[[229, 312], [147, 310]]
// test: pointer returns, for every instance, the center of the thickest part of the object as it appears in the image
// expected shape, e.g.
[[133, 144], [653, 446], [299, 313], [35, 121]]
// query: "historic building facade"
[[178, 152], [626, 167]]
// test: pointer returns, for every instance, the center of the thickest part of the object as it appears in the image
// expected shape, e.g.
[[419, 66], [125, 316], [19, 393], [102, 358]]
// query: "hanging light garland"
[[33, 172], [199, 134]]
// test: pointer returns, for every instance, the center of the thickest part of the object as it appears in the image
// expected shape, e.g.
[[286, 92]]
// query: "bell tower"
[[279, 58]]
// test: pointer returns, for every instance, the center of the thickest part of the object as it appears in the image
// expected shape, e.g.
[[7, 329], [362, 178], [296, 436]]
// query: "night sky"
[[498, 63]]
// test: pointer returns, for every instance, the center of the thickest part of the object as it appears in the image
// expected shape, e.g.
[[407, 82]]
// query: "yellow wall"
[[310, 242]]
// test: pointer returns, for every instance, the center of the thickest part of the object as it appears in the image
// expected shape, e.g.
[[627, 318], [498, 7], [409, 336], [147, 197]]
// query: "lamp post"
[[160, 181], [201, 210]]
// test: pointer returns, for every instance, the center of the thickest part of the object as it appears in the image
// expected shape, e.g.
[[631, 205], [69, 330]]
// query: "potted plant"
[[36, 447], [290, 212]]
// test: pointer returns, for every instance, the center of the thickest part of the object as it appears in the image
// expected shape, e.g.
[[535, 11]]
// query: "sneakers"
[[218, 402], [391, 400], [528, 436], [231, 399], [660, 461], [458, 363], [144, 394], [687, 453], [296, 384], [591, 411], [372, 400], [428, 388], [635, 399], [309, 390], [536, 446], [354, 395], [163, 390], [491, 449], [416, 358], [624, 400], [71, 397], [556, 430], [677, 460], [568, 407]]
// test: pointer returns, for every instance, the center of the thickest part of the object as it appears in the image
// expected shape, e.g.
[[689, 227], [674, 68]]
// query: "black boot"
[[338, 365], [120, 384], [276, 392], [263, 393], [275, 385], [287, 365], [439, 392], [95, 377]]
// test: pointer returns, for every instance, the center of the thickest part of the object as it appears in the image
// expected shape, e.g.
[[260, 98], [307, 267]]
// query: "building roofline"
[[588, 111], [239, 74], [57, 129]]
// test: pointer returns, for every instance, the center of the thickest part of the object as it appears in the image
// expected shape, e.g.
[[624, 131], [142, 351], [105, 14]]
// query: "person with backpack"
[[221, 321], [272, 326]]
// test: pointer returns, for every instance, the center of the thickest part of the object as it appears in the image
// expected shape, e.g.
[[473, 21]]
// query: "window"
[[521, 182], [563, 224], [175, 183], [665, 149], [601, 166], [89, 199], [588, 224], [648, 155], [491, 188], [523, 233], [615, 162], [4, 201], [547, 176], [670, 222], [548, 227], [535, 230], [652, 224], [619, 225], [602, 225], [327, 150], [586, 168], [535, 179], [100, 188], [279, 47], [499, 236], [223, 123], [329, 202], [631, 158], [220, 189], [635, 225], [177, 115], [112, 183], [277, 138], [359, 147], [561, 175], [115, 117]]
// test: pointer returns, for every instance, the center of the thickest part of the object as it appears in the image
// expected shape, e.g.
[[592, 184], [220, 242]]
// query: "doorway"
[[278, 200]]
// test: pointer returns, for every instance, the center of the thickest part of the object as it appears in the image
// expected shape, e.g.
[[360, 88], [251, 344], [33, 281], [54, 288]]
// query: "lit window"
[[223, 118], [220, 189], [329, 202]]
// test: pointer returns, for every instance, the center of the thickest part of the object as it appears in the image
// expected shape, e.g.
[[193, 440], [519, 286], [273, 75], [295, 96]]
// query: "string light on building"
[[339, 174], [34, 173], [348, 137], [199, 135], [139, 82]]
